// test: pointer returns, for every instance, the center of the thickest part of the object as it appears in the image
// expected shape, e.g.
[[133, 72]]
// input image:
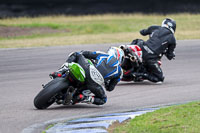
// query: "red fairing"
[[138, 48]]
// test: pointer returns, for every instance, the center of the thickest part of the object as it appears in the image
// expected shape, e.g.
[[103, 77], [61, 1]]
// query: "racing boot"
[[88, 99], [83, 99], [77, 99]]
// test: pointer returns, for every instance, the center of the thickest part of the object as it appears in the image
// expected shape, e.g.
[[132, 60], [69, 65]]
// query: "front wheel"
[[46, 97]]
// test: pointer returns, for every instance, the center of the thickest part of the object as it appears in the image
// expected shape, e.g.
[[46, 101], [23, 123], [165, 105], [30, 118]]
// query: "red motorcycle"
[[133, 63]]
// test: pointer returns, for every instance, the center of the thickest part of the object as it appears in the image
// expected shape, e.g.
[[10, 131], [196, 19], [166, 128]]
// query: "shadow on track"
[[77, 106], [138, 83]]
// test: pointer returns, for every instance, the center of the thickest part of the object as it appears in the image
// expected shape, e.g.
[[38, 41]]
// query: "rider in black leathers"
[[161, 41], [107, 66]]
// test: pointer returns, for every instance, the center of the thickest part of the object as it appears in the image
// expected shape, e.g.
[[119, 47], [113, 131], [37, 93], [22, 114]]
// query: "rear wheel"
[[46, 97]]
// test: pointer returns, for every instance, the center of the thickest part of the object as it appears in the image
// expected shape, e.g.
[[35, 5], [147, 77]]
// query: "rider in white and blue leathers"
[[105, 72]]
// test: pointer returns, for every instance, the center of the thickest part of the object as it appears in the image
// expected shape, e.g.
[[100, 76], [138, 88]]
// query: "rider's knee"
[[104, 99], [155, 78], [161, 78], [100, 101]]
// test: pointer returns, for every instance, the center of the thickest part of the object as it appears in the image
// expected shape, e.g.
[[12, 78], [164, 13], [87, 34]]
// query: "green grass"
[[175, 119], [108, 28], [50, 25]]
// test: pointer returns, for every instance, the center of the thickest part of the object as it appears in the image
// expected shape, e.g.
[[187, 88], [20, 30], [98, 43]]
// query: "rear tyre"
[[46, 97]]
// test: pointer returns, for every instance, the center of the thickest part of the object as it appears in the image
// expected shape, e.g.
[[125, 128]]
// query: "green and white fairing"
[[77, 71]]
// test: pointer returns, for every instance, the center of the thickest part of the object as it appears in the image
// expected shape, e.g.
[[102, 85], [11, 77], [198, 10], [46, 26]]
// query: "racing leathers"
[[105, 72], [161, 41]]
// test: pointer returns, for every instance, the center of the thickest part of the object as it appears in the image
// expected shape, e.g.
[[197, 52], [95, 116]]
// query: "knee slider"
[[162, 78], [100, 101], [105, 99]]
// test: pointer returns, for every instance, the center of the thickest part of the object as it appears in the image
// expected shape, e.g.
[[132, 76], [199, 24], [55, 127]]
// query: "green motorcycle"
[[63, 90]]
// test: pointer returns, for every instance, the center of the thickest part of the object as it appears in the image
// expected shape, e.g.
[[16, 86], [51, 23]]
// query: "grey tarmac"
[[24, 70]]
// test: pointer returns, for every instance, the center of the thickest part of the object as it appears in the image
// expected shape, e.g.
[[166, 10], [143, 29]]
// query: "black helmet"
[[170, 24]]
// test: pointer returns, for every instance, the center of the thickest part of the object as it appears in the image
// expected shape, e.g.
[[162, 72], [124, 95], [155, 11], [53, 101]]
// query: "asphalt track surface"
[[23, 71]]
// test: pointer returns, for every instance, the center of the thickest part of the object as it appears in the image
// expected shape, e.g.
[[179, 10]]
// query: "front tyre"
[[46, 97]]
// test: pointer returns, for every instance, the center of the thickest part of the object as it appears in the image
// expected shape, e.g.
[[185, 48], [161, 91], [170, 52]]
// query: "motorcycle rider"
[[106, 72], [161, 41]]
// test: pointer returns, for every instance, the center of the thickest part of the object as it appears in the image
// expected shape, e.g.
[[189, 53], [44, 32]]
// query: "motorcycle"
[[133, 63], [64, 90]]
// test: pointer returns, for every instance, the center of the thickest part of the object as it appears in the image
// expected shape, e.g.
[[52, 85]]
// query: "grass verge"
[[175, 119], [90, 29], [69, 40]]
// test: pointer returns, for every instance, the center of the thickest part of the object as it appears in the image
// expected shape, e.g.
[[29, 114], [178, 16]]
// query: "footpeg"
[[69, 95]]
